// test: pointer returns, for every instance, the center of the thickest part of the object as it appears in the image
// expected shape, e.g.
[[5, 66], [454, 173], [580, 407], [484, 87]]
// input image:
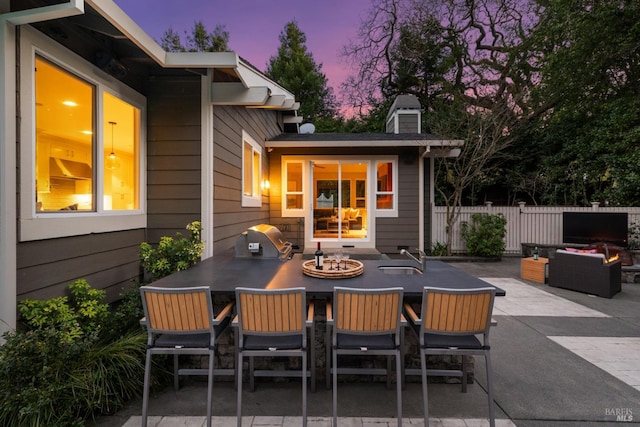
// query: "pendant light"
[[112, 161]]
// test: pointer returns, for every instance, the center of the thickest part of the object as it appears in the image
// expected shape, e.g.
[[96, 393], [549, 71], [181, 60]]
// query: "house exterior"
[[107, 141], [81, 81]]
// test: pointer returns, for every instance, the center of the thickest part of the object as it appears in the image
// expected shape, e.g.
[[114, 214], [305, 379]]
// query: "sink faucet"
[[423, 257]]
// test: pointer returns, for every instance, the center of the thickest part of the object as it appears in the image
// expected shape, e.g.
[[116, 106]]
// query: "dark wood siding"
[[173, 155], [403, 230], [230, 218], [110, 261], [107, 261]]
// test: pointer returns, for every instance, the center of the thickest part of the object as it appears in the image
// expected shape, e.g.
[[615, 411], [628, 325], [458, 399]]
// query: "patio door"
[[339, 208]]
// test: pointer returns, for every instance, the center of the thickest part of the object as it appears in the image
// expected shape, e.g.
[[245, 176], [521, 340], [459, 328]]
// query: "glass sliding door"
[[339, 200]]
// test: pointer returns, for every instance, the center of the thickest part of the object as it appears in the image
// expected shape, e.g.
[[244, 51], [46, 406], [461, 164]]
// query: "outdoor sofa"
[[585, 272]]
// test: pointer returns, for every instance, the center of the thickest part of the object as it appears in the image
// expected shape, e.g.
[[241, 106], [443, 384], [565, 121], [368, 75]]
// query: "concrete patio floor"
[[560, 358]]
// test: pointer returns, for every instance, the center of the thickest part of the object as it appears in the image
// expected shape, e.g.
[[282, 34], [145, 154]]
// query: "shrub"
[[126, 316], [83, 319], [485, 234], [173, 253], [66, 367], [438, 249]]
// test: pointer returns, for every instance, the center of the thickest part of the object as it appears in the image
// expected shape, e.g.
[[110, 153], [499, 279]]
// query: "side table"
[[534, 270]]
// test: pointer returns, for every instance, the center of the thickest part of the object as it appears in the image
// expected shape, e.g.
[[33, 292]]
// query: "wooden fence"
[[525, 224]]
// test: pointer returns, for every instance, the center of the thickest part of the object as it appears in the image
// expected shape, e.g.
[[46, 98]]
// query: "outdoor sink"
[[398, 269]]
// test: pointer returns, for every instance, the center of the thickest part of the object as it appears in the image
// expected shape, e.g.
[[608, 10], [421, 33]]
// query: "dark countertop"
[[224, 273]]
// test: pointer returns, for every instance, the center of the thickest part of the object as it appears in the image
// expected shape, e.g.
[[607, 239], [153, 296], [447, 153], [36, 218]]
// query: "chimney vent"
[[405, 115]]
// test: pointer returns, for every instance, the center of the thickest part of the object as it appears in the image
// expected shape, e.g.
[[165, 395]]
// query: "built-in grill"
[[265, 241]]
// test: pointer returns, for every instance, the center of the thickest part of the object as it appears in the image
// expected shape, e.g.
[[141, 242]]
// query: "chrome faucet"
[[423, 257]]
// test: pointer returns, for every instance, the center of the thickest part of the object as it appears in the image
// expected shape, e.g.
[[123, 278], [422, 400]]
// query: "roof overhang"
[[431, 145], [254, 89]]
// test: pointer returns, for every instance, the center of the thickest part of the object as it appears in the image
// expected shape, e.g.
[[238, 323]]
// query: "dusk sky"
[[254, 25]]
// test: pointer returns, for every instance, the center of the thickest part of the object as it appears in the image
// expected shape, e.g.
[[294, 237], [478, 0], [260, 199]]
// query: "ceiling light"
[[112, 161]]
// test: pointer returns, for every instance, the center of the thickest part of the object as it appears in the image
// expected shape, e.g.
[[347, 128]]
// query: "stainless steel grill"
[[263, 240]]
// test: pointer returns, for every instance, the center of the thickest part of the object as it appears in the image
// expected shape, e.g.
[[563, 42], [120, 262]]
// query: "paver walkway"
[[311, 422]]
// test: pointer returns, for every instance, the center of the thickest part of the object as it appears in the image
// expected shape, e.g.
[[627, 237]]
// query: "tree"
[[589, 87], [471, 49], [486, 135], [199, 40], [295, 69], [466, 63], [170, 41]]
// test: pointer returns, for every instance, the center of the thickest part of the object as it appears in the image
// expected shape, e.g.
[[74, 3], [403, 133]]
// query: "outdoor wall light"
[[265, 185]]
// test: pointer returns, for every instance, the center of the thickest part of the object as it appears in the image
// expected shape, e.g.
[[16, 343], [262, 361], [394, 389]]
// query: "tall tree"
[[295, 69], [486, 135], [438, 48], [199, 40], [589, 88], [465, 62], [170, 41]]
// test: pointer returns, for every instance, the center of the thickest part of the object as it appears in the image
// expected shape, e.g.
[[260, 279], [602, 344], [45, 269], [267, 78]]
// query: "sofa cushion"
[[583, 254], [581, 251]]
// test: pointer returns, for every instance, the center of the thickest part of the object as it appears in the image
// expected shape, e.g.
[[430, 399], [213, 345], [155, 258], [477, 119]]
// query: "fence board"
[[525, 224]]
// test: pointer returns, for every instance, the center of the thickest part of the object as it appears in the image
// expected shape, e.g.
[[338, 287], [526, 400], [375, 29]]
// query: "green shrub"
[[76, 358], [173, 253], [126, 315], [83, 318], [485, 234], [66, 367], [438, 249]]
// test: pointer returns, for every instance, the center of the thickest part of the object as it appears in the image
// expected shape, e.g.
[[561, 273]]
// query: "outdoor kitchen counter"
[[224, 273]]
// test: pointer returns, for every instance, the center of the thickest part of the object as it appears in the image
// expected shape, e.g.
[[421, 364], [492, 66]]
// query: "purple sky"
[[254, 25]]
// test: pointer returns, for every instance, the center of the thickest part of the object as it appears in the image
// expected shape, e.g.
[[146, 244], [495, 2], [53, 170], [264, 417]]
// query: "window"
[[66, 145], [121, 148], [385, 186], [251, 172], [81, 145], [293, 182], [65, 140]]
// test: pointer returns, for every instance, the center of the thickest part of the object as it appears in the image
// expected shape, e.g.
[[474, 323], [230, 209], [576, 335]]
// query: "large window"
[[67, 141], [251, 172], [81, 146]]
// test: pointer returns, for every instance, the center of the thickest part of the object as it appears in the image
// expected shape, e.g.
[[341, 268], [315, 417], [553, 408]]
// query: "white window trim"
[[371, 205], [293, 213], [386, 213], [253, 201], [45, 225]]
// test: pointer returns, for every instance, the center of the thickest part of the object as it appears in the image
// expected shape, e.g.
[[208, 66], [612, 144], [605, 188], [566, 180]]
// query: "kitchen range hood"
[[68, 169]]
